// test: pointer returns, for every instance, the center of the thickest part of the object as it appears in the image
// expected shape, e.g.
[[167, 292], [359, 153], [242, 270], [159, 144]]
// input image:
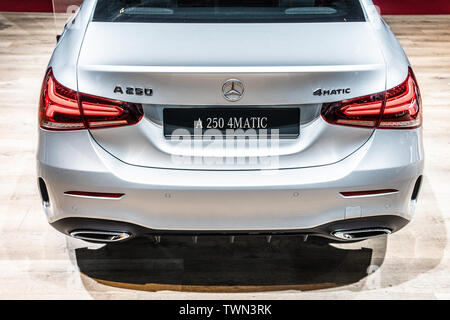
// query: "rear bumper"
[[270, 201], [69, 225]]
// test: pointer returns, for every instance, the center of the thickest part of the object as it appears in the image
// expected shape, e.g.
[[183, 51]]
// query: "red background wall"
[[413, 6], [387, 6], [26, 5]]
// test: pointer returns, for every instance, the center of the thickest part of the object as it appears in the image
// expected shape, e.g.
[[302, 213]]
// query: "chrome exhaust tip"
[[360, 234], [100, 236]]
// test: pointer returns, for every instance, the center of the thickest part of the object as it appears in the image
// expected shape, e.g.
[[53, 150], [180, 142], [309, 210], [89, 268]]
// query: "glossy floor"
[[38, 262]]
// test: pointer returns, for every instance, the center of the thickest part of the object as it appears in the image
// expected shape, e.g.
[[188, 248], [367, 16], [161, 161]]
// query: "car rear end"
[[208, 117]]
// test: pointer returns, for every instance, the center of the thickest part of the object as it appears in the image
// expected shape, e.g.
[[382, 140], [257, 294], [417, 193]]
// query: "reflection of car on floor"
[[208, 117]]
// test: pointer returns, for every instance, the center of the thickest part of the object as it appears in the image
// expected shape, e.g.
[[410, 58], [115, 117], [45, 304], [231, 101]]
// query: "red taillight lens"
[[403, 107], [58, 109], [102, 113], [64, 109], [399, 107], [359, 112]]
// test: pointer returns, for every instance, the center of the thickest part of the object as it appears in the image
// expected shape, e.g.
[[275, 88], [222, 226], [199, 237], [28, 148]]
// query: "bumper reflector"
[[84, 194], [368, 193]]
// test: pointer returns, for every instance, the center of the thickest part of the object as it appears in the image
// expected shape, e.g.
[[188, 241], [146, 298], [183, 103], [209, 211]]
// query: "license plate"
[[252, 121]]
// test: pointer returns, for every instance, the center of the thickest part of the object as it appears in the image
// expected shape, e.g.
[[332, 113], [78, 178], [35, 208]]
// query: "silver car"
[[229, 117]]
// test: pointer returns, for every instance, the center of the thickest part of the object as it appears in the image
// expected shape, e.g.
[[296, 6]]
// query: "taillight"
[[58, 108], [359, 112], [397, 108], [103, 113], [65, 109], [403, 106]]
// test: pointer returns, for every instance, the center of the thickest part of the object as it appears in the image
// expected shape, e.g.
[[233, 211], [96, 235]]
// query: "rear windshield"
[[232, 11]]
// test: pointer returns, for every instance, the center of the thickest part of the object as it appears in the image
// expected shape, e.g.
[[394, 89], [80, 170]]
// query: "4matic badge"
[[331, 92]]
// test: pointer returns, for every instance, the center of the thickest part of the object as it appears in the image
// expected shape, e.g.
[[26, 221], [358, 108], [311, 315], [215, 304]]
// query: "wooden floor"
[[38, 262]]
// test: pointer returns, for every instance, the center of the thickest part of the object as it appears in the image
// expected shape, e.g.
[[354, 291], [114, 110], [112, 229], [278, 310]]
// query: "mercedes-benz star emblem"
[[233, 90]]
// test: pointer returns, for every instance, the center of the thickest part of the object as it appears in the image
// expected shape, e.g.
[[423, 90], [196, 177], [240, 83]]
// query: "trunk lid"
[[186, 65]]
